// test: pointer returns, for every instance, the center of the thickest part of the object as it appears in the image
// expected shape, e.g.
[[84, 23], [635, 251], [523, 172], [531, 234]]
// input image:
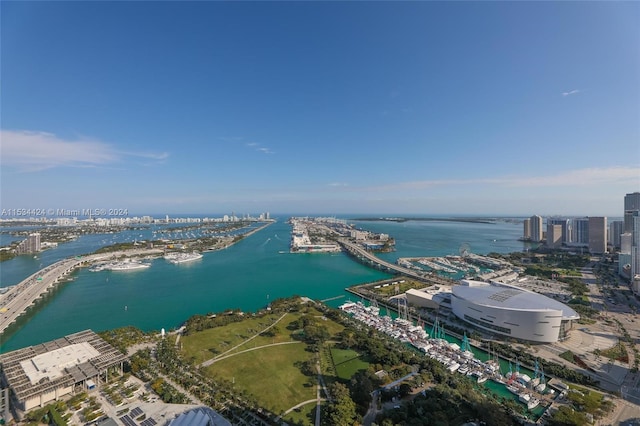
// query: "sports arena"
[[511, 311]]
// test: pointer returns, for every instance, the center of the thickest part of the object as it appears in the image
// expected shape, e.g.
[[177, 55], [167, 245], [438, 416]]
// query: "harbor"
[[230, 274], [458, 356]]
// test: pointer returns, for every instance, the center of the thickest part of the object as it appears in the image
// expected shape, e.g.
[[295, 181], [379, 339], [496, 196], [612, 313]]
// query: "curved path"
[[215, 358]]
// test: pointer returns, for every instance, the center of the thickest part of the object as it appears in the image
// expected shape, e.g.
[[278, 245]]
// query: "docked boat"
[[529, 400], [176, 258], [482, 379], [513, 389], [127, 266]]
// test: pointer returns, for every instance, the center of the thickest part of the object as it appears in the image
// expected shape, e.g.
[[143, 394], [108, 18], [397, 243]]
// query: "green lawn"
[[347, 362], [270, 375], [207, 344], [304, 415]]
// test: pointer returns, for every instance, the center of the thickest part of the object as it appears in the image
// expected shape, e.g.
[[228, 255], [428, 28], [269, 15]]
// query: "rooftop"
[[58, 363], [509, 297]]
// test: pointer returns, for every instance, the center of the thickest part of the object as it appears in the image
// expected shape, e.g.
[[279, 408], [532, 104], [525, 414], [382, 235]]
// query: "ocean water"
[[246, 275]]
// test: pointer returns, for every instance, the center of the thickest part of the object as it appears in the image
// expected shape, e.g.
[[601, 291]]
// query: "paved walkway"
[[215, 358], [213, 361], [318, 400]]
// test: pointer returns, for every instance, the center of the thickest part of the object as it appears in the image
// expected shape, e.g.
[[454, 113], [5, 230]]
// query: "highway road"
[[419, 275], [18, 298]]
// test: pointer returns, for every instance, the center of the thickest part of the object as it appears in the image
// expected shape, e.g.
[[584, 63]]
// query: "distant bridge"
[[369, 258]]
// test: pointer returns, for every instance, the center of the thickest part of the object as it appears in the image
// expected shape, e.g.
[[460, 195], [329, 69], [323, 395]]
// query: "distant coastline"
[[425, 219]]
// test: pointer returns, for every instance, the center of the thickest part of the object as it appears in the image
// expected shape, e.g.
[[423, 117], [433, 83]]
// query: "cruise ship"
[[176, 258]]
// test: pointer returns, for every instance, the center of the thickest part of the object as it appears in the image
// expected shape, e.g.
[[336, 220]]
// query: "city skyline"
[[321, 108]]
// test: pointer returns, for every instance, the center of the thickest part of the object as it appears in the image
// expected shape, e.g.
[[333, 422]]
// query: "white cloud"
[[570, 178], [571, 92], [34, 151], [338, 184], [582, 177], [258, 147]]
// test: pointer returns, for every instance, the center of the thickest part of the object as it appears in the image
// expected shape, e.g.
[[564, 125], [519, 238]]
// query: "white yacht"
[[127, 266], [176, 258]]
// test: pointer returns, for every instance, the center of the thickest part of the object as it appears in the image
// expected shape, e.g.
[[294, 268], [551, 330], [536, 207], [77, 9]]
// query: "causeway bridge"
[[20, 297], [368, 257]]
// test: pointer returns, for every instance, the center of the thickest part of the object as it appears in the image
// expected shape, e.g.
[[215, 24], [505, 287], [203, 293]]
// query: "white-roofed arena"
[[511, 311]]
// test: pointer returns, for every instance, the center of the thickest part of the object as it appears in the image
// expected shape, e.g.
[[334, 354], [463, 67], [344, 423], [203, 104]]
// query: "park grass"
[[347, 369], [347, 362], [269, 374], [206, 344], [304, 415]]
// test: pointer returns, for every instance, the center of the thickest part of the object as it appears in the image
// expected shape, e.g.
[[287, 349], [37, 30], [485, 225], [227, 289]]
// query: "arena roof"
[[504, 296]]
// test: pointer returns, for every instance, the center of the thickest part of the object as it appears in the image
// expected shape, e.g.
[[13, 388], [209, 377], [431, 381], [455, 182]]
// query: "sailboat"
[[541, 384]]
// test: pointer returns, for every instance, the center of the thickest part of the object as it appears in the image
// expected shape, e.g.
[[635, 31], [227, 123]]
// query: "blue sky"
[[511, 108]]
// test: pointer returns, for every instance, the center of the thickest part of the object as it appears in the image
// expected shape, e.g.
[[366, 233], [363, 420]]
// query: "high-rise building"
[[631, 204], [526, 229], [30, 245], [616, 229], [635, 245], [565, 225], [554, 235], [580, 231], [598, 234], [536, 228], [629, 257]]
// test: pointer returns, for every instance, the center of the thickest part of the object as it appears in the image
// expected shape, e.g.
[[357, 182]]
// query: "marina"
[[460, 358]]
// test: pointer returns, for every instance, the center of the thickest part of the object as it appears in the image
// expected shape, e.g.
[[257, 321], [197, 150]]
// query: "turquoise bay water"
[[246, 275]]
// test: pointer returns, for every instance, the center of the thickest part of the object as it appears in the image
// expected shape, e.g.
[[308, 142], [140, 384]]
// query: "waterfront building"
[[536, 228], [554, 236], [511, 311], [565, 228], [30, 245], [37, 375], [526, 229], [433, 297], [597, 234]]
